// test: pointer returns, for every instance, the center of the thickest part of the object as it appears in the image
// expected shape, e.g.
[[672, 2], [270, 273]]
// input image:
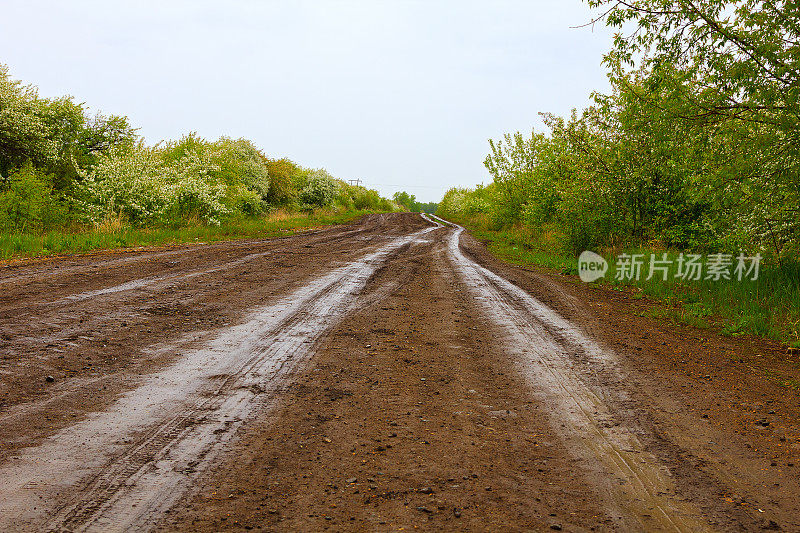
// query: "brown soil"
[[412, 412], [406, 419], [710, 401], [98, 347]]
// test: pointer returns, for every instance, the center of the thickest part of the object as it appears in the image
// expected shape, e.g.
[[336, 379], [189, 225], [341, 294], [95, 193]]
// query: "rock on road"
[[386, 375]]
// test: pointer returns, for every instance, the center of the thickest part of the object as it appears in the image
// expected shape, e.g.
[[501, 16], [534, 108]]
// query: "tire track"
[[40, 271], [148, 281], [153, 280], [127, 465], [542, 341]]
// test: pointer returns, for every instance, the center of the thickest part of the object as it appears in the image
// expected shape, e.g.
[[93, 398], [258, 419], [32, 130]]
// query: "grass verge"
[[86, 240]]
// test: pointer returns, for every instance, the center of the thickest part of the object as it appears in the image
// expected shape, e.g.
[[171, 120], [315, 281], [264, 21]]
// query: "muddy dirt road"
[[387, 375]]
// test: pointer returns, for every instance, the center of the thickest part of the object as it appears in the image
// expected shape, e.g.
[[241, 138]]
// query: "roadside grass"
[[81, 240], [518, 247], [676, 315], [768, 307]]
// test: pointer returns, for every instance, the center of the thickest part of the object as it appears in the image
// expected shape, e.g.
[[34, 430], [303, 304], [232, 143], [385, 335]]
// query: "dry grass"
[[112, 223]]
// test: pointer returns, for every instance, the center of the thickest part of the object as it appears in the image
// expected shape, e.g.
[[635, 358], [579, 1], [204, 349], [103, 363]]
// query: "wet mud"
[[381, 376]]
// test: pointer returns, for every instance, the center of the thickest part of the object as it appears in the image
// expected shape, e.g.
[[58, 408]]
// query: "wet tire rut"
[[192, 408]]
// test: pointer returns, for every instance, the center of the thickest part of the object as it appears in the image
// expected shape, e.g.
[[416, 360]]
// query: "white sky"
[[402, 94]]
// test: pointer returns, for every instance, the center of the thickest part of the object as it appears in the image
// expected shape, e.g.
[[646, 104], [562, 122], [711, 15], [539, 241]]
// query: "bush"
[[459, 202], [366, 199], [240, 162], [27, 202], [55, 135], [245, 201], [144, 186], [320, 189], [234, 162], [57, 160], [283, 174]]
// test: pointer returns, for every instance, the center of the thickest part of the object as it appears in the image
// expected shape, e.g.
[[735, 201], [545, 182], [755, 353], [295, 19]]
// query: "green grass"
[[768, 307], [22, 245], [516, 249]]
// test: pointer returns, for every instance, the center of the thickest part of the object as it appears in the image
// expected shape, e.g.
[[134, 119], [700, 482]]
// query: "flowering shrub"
[[141, 186], [320, 189], [55, 135], [27, 132], [58, 163], [240, 162]]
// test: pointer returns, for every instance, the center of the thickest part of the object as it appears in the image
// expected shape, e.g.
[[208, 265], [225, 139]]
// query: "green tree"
[[406, 200], [283, 174], [55, 135], [28, 203], [744, 53], [728, 73]]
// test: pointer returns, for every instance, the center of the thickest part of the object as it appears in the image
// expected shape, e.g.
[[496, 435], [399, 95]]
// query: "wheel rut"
[[637, 486], [136, 460]]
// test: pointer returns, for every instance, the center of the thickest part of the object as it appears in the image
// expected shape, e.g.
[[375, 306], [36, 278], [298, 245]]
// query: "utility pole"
[[355, 182]]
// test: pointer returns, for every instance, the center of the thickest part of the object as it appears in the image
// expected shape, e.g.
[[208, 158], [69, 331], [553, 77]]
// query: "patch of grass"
[[112, 236], [767, 307], [516, 247], [675, 315]]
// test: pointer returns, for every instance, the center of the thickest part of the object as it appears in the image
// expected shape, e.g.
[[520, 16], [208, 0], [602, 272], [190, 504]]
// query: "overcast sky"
[[402, 94]]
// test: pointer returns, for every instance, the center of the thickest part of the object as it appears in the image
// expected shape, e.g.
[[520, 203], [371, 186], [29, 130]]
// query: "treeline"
[[696, 148], [410, 203], [61, 166]]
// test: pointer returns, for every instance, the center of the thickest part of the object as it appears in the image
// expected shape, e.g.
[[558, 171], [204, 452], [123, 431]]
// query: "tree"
[[728, 74], [406, 200], [745, 54], [512, 163], [56, 136]]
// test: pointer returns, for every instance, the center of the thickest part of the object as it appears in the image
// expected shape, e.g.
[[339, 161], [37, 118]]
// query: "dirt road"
[[388, 375]]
